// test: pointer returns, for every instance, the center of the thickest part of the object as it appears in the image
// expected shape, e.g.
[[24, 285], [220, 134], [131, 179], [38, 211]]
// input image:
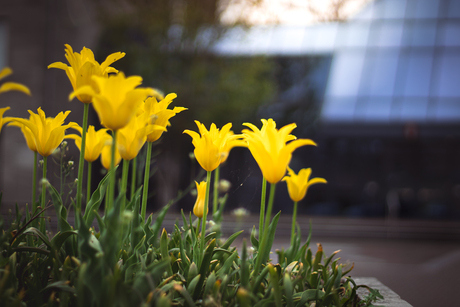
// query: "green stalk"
[[262, 207], [112, 167], [216, 192], [43, 201], [124, 183], [133, 178], [264, 238], [88, 183], [205, 213], [45, 165], [294, 217], [268, 216], [34, 185], [146, 181], [81, 161]]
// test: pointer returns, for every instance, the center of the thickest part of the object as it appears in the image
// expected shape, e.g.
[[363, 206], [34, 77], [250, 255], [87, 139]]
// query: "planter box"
[[391, 298]]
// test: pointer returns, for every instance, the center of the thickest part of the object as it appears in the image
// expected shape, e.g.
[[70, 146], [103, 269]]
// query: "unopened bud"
[[191, 156], [44, 181], [70, 163]]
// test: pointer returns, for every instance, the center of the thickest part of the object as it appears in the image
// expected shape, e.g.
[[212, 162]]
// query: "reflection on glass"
[[375, 109], [383, 67], [447, 75], [386, 34], [449, 33], [338, 109], [422, 9], [345, 73], [412, 108], [447, 109], [394, 9], [325, 36], [423, 33], [418, 73], [353, 34]]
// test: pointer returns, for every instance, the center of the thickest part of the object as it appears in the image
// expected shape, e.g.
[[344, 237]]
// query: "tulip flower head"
[[47, 133], [298, 184], [159, 114], [106, 155], [272, 148], [133, 136], [117, 100], [198, 208], [211, 146], [11, 86], [4, 120], [95, 141], [83, 66]]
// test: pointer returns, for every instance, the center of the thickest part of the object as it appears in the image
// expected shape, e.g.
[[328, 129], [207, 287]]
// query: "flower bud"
[[198, 209]]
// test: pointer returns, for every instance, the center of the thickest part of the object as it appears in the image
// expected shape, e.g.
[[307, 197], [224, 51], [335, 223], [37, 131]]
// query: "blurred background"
[[375, 83]]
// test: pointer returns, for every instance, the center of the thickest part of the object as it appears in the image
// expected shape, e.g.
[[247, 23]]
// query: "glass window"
[[353, 34], [338, 109], [380, 68], [394, 9], [449, 33], [411, 108], [454, 9], [417, 73], [423, 33], [293, 40], [447, 74], [325, 37], [386, 34], [422, 9], [447, 110], [345, 73], [373, 109]]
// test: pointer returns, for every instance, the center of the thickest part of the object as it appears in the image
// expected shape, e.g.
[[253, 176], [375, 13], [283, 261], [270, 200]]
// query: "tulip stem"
[[45, 163], [294, 217], [146, 181], [81, 161], [205, 212], [34, 184], [262, 207], [112, 170], [43, 202], [124, 184], [88, 183], [133, 178], [216, 192], [263, 238]]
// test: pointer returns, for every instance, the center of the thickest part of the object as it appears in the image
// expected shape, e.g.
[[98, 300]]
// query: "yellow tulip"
[[298, 183], [3, 120], [95, 141], [232, 141], [48, 133], [106, 156], [30, 139], [117, 100], [11, 86], [83, 66], [211, 146], [133, 136], [198, 208], [159, 114], [270, 148]]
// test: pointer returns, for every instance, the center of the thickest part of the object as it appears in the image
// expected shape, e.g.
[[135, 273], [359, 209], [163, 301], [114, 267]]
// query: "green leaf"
[[230, 239], [254, 241], [158, 222], [61, 211], [204, 267], [310, 295], [288, 289], [96, 199]]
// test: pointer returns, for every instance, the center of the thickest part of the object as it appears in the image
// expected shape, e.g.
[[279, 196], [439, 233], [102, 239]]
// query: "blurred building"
[[385, 85]]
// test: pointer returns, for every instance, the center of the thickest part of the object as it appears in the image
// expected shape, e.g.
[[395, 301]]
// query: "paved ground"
[[419, 260]]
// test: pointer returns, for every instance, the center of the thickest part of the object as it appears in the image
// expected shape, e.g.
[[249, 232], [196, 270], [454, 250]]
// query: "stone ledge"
[[391, 299]]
